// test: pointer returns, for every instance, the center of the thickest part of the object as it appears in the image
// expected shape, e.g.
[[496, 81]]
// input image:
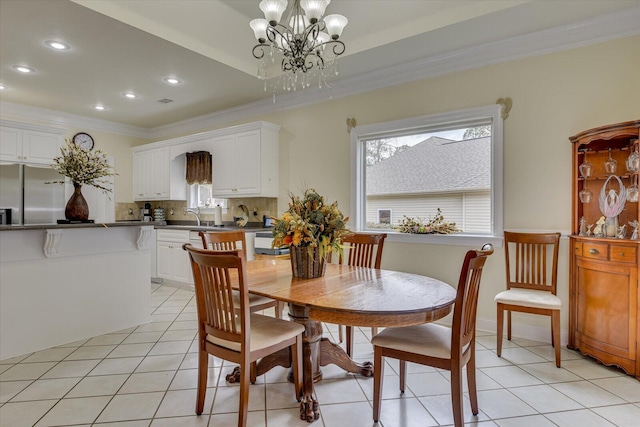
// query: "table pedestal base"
[[316, 352]]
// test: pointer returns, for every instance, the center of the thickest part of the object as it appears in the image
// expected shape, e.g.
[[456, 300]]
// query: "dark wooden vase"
[[306, 265], [77, 208]]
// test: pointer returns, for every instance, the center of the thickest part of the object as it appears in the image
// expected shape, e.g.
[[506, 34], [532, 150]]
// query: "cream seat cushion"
[[529, 298], [427, 339], [265, 332]]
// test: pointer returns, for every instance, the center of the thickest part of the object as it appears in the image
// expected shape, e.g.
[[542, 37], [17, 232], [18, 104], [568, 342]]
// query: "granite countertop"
[[227, 226], [83, 225], [179, 225]]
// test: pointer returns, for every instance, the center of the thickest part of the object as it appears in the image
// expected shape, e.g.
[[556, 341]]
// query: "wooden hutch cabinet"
[[604, 302]]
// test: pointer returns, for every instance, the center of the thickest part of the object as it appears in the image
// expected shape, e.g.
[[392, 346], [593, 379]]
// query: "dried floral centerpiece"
[[312, 229], [437, 225], [82, 167]]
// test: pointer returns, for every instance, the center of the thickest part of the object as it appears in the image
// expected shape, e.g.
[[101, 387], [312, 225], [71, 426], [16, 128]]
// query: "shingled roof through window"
[[434, 165]]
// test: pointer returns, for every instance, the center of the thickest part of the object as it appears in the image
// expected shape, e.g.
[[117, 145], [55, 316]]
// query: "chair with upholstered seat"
[[442, 347], [232, 240], [232, 332], [532, 276], [360, 249]]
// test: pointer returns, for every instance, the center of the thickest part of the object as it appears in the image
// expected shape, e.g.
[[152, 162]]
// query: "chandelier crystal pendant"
[[305, 44]]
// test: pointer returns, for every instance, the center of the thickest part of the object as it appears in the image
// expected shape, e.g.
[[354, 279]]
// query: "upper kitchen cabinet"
[[245, 164], [158, 177], [25, 143]]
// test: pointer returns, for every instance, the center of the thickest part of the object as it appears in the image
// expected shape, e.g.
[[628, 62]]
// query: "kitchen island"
[[64, 283]]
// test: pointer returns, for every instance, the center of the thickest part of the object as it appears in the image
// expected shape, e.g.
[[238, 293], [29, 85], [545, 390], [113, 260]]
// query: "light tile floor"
[[146, 376]]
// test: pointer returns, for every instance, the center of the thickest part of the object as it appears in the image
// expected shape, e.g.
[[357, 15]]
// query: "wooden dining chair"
[[532, 276], [243, 338], [442, 347], [235, 240], [360, 249]]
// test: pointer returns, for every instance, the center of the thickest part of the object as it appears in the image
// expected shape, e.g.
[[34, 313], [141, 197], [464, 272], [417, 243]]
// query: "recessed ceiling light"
[[130, 95], [172, 80], [1, 87], [100, 107], [54, 44], [24, 69]]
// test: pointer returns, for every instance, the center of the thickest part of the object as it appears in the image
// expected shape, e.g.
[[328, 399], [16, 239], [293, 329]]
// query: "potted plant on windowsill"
[[82, 167], [312, 229]]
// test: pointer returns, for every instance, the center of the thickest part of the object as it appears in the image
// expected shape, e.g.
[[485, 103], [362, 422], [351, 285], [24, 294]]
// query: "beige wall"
[[554, 96], [119, 147]]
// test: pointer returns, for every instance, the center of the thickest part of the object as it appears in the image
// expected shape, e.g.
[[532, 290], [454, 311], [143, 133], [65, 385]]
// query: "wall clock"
[[84, 140]]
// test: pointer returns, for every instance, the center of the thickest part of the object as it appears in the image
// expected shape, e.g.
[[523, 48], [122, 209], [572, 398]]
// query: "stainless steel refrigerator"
[[23, 190]]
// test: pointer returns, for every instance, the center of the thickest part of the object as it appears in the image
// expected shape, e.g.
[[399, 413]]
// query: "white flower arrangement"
[[83, 167]]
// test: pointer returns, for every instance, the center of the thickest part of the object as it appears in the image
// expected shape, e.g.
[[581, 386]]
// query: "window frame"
[[432, 123]]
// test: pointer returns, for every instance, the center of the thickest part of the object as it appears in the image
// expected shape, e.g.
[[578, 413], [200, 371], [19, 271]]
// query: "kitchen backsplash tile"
[[259, 205], [128, 211]]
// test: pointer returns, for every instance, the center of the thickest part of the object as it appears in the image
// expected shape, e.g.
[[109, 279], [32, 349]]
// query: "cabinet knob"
[[621, 253], [593, 251]]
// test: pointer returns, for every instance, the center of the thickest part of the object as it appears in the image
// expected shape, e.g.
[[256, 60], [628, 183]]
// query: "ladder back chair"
[[232, 332], [362, 250], [235, 240], [442, 347], [532, 275]]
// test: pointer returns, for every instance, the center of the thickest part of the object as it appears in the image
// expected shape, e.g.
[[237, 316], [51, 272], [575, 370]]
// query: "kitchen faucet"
[[195, 211]]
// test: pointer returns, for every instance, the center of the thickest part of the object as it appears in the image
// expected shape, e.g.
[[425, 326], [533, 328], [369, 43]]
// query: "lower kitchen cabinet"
[[172, 261]]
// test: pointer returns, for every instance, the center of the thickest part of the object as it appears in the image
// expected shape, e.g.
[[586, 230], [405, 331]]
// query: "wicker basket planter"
[[305, 266]]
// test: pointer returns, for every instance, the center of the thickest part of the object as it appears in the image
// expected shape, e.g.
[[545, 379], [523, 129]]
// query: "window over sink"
[[200, 196]]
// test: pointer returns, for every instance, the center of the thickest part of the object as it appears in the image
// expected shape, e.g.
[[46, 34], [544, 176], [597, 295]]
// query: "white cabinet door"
[[10, 144], [172, 261], [159, 175], [164, 260], [236, 165], [40, 147], [223, 155], [139, 178], [29, 146], [247, 162], [181, 265], [152, 175]]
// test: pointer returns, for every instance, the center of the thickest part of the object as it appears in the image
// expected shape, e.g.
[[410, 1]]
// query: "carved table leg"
[[333, 353]]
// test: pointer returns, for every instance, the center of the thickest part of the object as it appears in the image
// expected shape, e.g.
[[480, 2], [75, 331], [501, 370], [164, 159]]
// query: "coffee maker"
[[145, 213]]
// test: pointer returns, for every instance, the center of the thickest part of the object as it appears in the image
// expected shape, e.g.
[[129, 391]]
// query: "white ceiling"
[[131, 45]]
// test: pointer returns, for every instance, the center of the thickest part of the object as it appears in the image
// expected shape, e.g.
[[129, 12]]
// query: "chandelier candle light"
[[306, 42]]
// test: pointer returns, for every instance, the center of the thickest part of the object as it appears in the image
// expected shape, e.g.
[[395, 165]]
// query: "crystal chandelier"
[[305, 44]]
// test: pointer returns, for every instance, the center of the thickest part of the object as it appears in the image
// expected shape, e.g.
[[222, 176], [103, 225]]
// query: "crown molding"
[[60, 118], [600, 29], [604, 28]]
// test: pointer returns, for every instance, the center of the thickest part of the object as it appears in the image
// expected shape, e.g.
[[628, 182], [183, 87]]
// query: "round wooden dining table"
[[345, 295]]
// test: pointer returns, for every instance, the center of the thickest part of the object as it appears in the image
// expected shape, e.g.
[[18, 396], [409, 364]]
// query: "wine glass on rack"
[[610, 165], [585, 194], [632, 191], [633, 161], [585, 170], [586, 167]]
